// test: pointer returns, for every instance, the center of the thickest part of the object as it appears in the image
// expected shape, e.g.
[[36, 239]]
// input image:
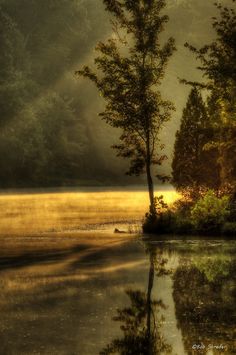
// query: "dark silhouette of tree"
[[194, 166], [130, 67], [218, 61], [139, 322]]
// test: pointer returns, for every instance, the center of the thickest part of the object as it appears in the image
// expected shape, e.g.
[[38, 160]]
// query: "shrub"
[[183, 224], [210, 212], [161, 221]]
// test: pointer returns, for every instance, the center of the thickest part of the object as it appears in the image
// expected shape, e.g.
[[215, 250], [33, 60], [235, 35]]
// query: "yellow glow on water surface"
[[72, 210]]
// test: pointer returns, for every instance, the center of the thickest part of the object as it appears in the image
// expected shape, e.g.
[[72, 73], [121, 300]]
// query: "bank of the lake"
[[208, 214]]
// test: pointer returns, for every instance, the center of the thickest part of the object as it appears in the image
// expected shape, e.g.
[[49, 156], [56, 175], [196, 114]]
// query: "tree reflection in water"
[[204, 292], [141, 322]]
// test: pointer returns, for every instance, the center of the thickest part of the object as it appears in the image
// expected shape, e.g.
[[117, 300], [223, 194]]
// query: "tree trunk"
[[149, 301], [150, 189], [149, 179]]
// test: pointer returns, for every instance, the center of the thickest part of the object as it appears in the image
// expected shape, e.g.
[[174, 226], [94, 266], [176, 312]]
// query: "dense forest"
[[50, 134], [205, 146], [44, 136]]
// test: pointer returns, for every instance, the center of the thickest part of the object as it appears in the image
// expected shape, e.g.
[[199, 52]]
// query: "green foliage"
[[128, 72], [51, 31], [44, 138], [161, 221], [218, 67], [14, 69], [43, 144], [210, 212], [64, 137], [205, 298], [214, 267], [193, 167], [160, 205]]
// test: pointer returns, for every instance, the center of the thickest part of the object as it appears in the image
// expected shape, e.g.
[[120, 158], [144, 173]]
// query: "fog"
[[50, 131]]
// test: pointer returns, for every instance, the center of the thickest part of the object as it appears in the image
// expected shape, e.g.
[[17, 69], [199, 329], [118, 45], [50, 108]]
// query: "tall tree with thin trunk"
[[128, 73]]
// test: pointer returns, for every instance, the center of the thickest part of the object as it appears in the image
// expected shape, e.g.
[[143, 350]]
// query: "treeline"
[[47, 131], [204, 161], [205, 147], [44, 136]]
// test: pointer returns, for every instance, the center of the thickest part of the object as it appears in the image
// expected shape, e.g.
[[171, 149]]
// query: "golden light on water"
[[71, 211]]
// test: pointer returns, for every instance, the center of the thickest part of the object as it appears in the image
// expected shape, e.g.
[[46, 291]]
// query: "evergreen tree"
[[194, 166], [130, 67], [218, 61]]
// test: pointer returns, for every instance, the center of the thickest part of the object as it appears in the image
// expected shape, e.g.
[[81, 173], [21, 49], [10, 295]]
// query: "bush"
[[209, 215], [183, 225], [160, 224], [210, 212], [161, 221]]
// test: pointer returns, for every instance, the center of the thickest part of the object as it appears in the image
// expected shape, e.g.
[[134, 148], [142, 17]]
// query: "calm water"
[[75, 209], [96, 292]]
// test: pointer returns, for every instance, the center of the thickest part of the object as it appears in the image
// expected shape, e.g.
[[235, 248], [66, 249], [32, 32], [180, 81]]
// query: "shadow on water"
[[83, 254], [118, 296], [37, 257], [116, 253]]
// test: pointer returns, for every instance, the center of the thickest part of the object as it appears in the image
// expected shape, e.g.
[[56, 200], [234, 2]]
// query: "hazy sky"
[[49, 41]]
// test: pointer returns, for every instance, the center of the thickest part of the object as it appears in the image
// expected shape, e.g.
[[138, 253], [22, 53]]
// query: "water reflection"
[[204, 292], [141, 323], [59, 295]]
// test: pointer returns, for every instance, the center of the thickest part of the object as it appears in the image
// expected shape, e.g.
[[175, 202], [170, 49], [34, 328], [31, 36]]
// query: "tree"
[[130, 67], [193, 166], [42, 134], [141, 322], [218, 67], [14, 67]]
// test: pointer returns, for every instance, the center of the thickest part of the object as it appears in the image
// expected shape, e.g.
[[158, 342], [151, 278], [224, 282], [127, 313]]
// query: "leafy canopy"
[[129, 69], [210, 211]]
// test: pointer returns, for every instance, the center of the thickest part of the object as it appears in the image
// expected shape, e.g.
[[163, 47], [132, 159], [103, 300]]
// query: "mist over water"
[[78, 275], [72, 209]]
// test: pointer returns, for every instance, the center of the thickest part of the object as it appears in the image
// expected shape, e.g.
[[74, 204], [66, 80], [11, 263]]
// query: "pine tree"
[[218, 65], [193, 165], [130, 68]]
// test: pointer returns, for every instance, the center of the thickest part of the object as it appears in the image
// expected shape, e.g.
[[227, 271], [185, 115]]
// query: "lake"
[[72, 286], [37, 212]]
